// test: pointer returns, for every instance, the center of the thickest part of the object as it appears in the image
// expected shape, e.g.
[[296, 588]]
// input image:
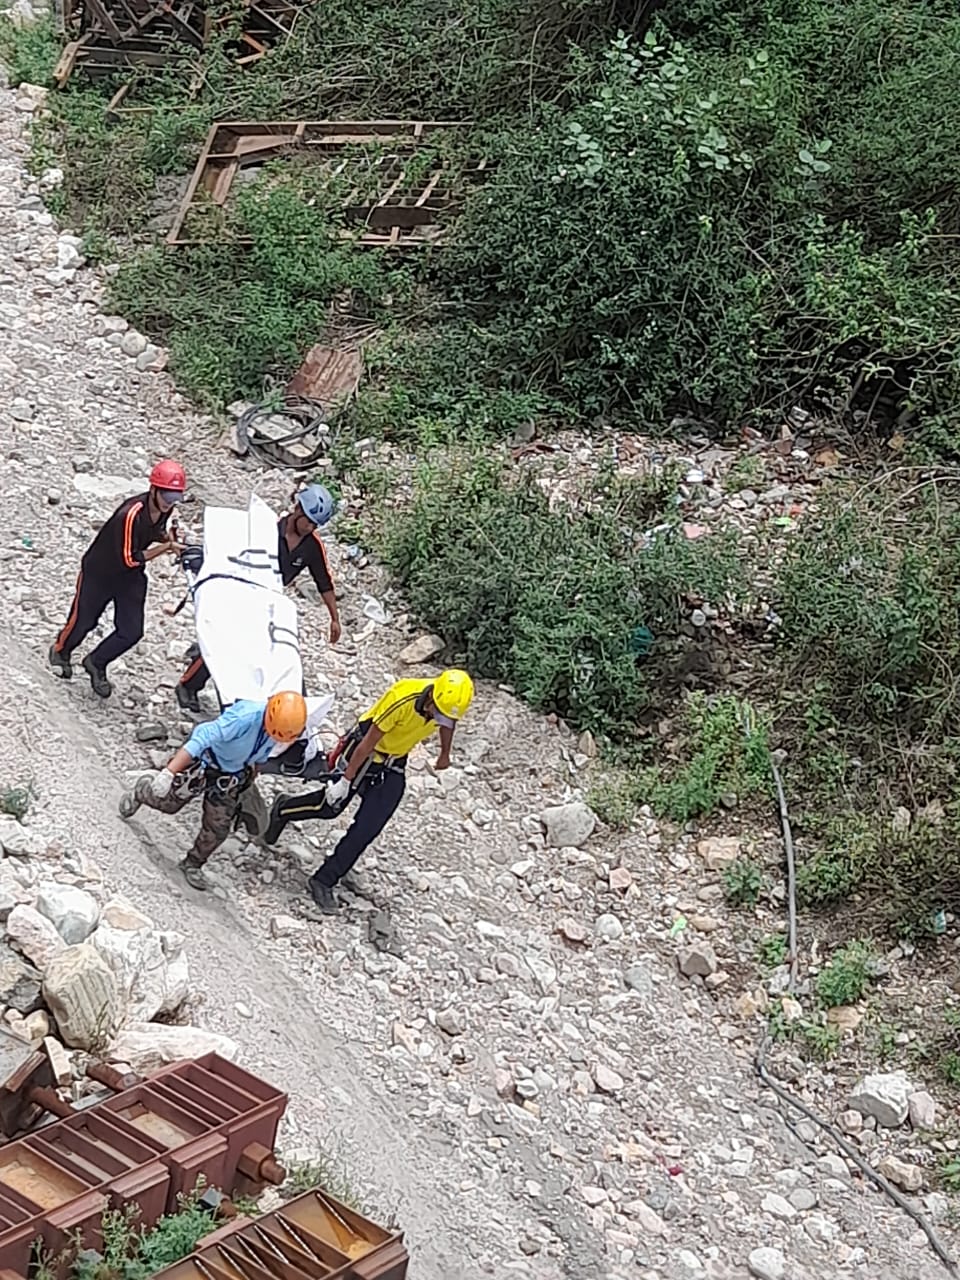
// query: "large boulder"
[[568, 826], [150, 965], [148, 1046], [73, 912], [84, 998], [34, 935], [885, 1096], [19, 981]]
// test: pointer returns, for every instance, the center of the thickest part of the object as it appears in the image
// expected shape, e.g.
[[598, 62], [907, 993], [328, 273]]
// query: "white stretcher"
[[246, 625]]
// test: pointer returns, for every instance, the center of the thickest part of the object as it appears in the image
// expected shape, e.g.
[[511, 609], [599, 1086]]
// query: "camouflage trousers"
[[223, 796]]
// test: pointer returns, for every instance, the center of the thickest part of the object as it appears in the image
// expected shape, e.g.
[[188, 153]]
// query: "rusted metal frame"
[[124, 23], [230, 144]]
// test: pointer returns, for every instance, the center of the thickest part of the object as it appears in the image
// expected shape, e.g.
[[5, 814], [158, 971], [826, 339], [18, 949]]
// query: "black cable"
[[784, 1094], [274, 451]]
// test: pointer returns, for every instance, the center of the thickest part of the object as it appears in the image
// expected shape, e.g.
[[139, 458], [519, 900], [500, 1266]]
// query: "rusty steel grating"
[[147, 1145], [313, 1237], [112, 35], [391, 185]]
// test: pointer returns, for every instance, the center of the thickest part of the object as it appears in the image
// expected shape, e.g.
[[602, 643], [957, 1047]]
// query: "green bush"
[[134, 1252], [723, 751], [845, 978], [29, 53], [548, 599], [233, 319], [742, 883], [705, 224], [772, 950], [905, 876], [867, 599]]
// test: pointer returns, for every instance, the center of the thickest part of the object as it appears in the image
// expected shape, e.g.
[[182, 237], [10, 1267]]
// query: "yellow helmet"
[[452, 693], [285, 717]]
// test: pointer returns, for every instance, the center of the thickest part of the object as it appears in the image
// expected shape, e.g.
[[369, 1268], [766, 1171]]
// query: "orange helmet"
[[285, 717]]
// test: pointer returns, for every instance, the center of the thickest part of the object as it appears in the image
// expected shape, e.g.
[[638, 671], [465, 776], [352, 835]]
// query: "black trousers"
[[380, 793], [126, 590], [197, 674]]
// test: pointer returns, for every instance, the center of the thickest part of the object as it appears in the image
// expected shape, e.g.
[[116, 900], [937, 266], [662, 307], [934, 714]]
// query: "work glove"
[[162, 784], [337, 790]]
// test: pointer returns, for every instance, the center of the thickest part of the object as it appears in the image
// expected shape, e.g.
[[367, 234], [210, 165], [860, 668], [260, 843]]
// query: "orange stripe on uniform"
[[64, 635], [323, 552], [192, 670], [132, 514]]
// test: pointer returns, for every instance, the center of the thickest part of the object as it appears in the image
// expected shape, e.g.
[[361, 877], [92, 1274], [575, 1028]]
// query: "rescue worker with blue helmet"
[[300, 547]]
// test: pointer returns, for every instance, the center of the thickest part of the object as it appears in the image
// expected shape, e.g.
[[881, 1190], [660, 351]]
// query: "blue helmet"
[[316, 503]]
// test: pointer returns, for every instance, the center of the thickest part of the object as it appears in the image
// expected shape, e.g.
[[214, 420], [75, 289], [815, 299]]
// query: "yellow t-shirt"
[[397, 716]]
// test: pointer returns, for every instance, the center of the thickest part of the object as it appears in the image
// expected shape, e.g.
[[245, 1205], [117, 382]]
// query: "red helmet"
[[169, 475]]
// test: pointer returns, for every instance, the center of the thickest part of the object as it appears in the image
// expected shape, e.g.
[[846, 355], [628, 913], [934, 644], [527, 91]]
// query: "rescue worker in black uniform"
[[112, 572], [299, 547]]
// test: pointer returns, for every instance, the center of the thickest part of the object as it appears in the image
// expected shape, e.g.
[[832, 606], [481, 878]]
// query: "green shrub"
[[616, 798], [29, 53], [742, 882], [16, 801], [866, 595], [133, 1252], [723, 751], [782, 243], [845, 978], [233, 319], [548, 599], [772, 950]]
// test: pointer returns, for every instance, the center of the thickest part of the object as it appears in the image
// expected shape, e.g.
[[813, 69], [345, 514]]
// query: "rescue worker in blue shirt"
[[219, 761]]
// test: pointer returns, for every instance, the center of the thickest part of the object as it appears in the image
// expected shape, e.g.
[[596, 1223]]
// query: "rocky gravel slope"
[[518, 1071]]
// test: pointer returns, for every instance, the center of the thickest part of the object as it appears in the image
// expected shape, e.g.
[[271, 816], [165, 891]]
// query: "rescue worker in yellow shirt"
[[372, 765]]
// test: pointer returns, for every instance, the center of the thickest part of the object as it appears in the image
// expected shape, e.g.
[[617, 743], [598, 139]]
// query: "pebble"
[[767, 1264], [608, 928], [777, 1206]]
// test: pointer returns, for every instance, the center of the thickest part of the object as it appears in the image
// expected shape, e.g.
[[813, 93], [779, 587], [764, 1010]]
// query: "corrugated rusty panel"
[[328, 376]]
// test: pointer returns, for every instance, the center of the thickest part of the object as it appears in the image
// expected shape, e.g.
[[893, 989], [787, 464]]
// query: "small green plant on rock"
[[772, 950], [844, 980], [745, 473], [950, 1172], [15, 801], [742, 882], [821, 1038], [615, 799], [320, 1171]]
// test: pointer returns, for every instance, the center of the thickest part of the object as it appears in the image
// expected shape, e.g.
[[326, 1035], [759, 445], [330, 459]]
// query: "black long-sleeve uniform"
[[310, 554], [112, 571]]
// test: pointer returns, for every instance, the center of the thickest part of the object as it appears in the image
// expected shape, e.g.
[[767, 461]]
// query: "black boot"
[[323, 896], [99, 683], [60, 663], [193, 874], [275, 825], [188, 699]]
